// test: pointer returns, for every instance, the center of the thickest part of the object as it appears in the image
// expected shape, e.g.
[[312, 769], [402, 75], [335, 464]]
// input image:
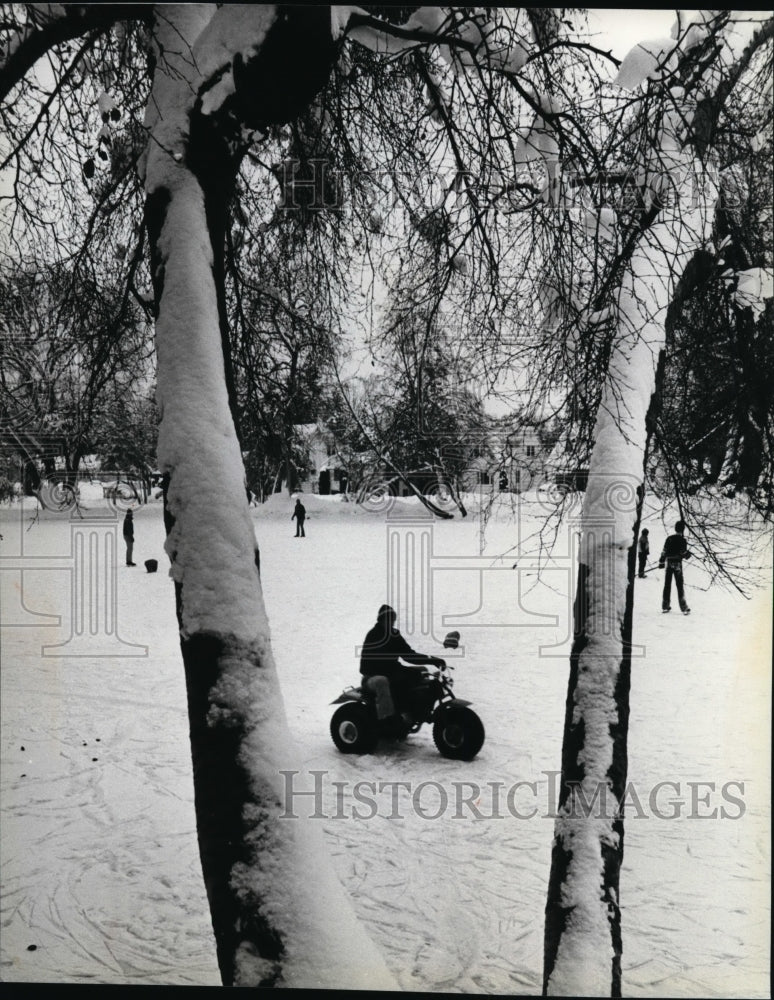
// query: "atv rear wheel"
[[353, 729], [458, 733]]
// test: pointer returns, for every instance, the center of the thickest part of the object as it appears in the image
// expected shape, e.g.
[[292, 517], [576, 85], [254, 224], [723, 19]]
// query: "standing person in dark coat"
[[299, 513], [383, 674], [672, 555], [643, 551], [129, 537]]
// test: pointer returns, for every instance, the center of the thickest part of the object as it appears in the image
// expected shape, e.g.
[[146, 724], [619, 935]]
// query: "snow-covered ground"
[[446, 863]]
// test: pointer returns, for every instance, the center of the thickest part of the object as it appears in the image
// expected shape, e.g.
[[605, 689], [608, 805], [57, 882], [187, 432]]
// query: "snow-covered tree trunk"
[[270, 888], [583, 921], [583, 931]]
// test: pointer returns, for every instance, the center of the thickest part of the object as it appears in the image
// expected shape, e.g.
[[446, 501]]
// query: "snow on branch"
[[646, 61], [691, 27], [236, 32], [753, 288], [470, 37], [657, 58]]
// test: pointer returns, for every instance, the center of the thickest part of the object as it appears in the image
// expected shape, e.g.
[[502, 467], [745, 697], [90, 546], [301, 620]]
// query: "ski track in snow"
[[100, 868]]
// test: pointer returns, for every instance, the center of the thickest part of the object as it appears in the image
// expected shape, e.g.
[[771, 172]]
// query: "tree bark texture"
[[268, 890], [583, 942]]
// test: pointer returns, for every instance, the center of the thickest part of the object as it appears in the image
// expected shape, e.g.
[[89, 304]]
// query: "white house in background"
[[327, 471], [521, 458], [567, 466], [513, 458], [508, 457]]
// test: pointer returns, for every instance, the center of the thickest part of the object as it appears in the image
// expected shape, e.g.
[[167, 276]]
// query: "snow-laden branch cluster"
[[472, 38], [235, 34], [751, 288], [656, 60]]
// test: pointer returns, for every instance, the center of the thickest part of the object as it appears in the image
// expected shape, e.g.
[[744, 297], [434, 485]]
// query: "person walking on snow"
[[643, 551], [299, 513], [672, 555], [383, 675], [129, 537]]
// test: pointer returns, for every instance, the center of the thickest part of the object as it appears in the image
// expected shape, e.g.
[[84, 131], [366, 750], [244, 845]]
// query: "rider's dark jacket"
[[382, 647]]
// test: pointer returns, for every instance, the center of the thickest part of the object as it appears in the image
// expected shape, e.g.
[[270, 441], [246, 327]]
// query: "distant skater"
[[643, 551], [299, 513], [129, 537], [672, 555]]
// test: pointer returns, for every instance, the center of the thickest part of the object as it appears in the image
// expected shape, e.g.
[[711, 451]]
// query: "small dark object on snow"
[[22, 749], [24, 776], [32, 947], [95, 758], [98, 739], [452, 640], [151, 565]]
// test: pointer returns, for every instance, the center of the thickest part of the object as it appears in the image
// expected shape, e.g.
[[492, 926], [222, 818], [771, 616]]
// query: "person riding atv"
[[409, 697], [389, 680]]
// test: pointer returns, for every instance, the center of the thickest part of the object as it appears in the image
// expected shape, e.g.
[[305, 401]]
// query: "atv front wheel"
[[458, 733], [353, 729]]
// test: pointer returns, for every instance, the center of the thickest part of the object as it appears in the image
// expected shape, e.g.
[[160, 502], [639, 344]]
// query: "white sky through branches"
[[622, 27]]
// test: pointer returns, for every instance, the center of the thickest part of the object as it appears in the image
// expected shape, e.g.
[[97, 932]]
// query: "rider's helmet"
[[452, 640], [385, 611]]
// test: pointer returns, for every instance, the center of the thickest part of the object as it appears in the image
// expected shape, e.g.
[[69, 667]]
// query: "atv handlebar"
[[436, 669]]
